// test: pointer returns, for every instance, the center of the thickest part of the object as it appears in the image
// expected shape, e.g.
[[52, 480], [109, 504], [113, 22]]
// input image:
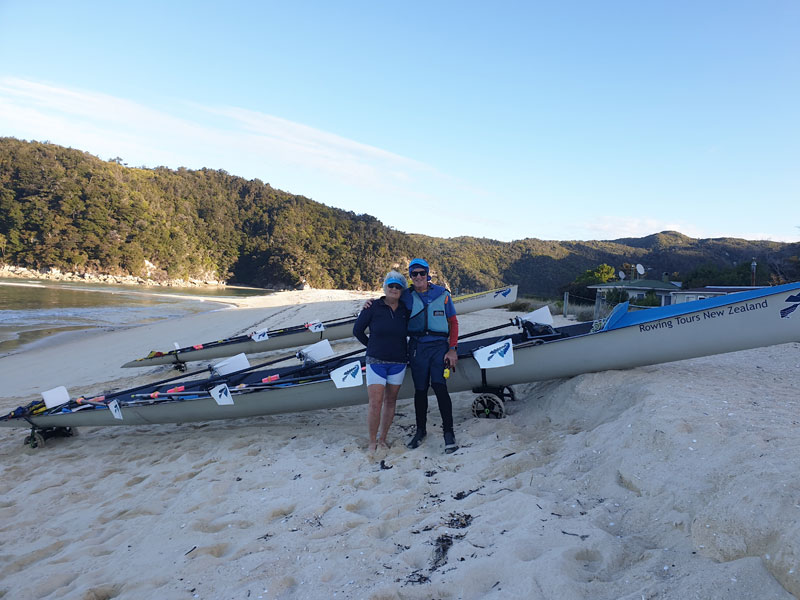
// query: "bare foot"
[[372, 448], [383, 444]]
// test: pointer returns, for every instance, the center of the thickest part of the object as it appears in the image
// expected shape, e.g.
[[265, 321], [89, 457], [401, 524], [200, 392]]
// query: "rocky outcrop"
[[53, 274]]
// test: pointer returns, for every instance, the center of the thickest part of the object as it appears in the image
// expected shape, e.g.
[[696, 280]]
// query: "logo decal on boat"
[[501, 351], [351, 372], [503, 293], [790, 309]]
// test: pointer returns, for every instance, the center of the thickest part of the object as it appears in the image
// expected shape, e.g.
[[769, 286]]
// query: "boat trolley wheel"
[[34, 440], [38, 437], [488, 406]]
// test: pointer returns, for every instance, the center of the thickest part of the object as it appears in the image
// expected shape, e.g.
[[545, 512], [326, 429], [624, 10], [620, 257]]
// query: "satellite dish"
[[621, 275], [639, 269]]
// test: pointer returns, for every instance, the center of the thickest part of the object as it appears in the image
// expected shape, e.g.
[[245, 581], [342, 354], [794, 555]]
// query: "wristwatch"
[[454, 348]]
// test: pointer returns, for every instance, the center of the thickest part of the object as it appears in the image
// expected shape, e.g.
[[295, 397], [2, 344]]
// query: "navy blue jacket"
[[388, 331]]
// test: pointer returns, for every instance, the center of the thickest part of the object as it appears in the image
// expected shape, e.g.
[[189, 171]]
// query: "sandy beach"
[[676, 481]]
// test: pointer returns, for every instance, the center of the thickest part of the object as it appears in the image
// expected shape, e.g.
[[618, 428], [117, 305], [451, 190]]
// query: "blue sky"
[[556, 120]]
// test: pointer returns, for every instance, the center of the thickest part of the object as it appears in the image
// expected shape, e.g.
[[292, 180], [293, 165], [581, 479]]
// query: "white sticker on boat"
[[260, 335], [349, 375], [55, 397], [222, 394], [231, 365], [315, 326], [500, 354], [113, 406], [316, 352], [540, 315]]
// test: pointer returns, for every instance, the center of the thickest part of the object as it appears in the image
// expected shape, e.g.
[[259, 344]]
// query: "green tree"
[[579, 288], [600, 274], [614, 297], [650, 299]]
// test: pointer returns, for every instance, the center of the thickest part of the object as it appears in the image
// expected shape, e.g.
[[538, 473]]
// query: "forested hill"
[[68, 209]]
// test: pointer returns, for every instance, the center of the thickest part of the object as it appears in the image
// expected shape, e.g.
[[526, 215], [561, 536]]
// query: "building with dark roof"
[[638, 289]]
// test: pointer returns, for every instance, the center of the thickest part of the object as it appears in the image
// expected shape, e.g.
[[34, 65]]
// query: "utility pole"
[[753, 272]]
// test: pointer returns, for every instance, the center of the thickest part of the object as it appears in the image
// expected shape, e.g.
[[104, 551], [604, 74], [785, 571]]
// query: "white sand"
[[672, 482]]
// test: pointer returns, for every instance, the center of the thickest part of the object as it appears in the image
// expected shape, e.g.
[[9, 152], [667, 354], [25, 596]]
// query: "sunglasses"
[[418, 273], [395, 286]]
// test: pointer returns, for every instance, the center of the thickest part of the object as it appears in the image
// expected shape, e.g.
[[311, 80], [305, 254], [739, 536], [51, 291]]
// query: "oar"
[[283, 380], [512, 323], [108, 397], [294, 371], [229, 376], [515, 322], [240, 389], [241, 338]]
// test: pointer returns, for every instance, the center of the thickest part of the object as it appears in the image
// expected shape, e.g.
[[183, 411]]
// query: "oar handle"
[[511, 323]]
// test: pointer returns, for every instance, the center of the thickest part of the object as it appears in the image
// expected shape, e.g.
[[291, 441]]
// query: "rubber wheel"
[[488, 406], [35, 441]]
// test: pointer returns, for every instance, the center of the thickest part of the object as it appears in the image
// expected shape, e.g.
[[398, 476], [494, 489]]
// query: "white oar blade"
[[55, 397], [497, 355], [260, 335], [540, 315], [318, 352], [349, 375], [116, 411], [231, 365], [222, 394], [315, 326]]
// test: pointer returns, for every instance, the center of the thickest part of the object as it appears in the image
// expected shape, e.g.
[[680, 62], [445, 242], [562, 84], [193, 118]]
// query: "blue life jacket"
[[430, 319]]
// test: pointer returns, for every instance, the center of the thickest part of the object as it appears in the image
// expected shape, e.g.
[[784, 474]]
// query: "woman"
[[387, 319]]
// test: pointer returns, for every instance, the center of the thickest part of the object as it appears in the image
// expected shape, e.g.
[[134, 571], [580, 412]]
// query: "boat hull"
[[702, 328], [304, 337]]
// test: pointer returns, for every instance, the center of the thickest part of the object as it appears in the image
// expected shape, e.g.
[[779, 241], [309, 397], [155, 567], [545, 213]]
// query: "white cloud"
[[141, 135], [612, 227], [292, 156]]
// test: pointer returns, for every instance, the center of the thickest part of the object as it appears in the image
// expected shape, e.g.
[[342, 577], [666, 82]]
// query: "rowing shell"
[[628, 339], [302, 335]]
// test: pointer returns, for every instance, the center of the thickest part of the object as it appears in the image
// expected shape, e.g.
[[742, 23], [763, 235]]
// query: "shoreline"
[[55, 274], [57, 323], [76, 334]]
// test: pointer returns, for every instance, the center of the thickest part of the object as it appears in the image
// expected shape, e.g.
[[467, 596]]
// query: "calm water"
[[32, 310]]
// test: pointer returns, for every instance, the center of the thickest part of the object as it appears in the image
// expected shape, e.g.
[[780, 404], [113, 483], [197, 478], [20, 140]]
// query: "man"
[[433, 332]]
